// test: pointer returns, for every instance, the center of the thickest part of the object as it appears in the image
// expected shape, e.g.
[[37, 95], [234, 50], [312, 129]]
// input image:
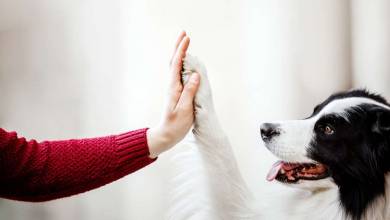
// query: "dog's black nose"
[[268, 131]]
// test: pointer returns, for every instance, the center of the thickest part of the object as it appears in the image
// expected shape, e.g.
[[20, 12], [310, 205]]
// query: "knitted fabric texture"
[[32, 171]]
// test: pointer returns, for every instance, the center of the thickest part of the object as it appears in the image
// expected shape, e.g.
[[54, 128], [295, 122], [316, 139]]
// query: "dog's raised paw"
[[191, 64]]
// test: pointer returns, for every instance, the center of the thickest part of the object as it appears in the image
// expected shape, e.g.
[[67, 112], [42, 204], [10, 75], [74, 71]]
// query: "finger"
[[178, 41], [187, 96], [177, 64], [174, 96], [176, 86]]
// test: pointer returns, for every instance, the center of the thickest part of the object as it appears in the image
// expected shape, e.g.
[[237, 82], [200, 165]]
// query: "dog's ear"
[[381, 126], [381, 123]]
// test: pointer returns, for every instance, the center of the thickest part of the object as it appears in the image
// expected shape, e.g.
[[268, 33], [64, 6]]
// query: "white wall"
[[87, 68], [371, 45]]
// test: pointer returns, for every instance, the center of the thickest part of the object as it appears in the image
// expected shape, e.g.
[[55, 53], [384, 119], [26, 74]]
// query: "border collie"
[[339, 158]]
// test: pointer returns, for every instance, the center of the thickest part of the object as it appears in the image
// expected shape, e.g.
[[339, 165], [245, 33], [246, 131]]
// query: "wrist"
[[158, 141]]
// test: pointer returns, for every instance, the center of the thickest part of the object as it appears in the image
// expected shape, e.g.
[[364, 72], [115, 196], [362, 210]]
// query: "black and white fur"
[[209, 185]]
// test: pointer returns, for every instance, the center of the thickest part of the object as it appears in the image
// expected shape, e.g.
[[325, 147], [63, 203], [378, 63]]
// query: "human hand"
[[179, 111]]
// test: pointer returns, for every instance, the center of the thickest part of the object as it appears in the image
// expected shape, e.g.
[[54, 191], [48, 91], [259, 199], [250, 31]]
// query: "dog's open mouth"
[[293, 172]]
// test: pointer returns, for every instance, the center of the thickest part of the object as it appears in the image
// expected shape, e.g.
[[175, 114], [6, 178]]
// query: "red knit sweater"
[[32, 171]]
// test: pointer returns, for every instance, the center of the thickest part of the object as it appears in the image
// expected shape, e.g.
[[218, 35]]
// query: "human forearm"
[[32, 171]]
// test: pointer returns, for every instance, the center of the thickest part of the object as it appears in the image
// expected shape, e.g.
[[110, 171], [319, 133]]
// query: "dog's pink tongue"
[[274, 171]]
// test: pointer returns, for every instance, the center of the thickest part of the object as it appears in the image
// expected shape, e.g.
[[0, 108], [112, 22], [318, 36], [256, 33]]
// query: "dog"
[[338, 158]]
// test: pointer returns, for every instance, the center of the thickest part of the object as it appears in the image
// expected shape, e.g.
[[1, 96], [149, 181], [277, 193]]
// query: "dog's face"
[[345, 143]]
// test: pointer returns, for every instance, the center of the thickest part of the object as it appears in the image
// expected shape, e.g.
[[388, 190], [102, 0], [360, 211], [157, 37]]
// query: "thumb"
[[189, 92]]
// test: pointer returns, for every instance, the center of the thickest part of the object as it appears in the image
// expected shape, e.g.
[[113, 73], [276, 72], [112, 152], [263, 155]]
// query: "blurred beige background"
[[73, 69]]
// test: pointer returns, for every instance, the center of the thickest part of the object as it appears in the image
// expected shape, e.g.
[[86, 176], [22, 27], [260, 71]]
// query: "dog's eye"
[[325, 129], [328, 130]]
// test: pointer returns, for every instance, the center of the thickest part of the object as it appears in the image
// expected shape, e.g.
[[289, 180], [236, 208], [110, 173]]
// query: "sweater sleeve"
[[32, 171]]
